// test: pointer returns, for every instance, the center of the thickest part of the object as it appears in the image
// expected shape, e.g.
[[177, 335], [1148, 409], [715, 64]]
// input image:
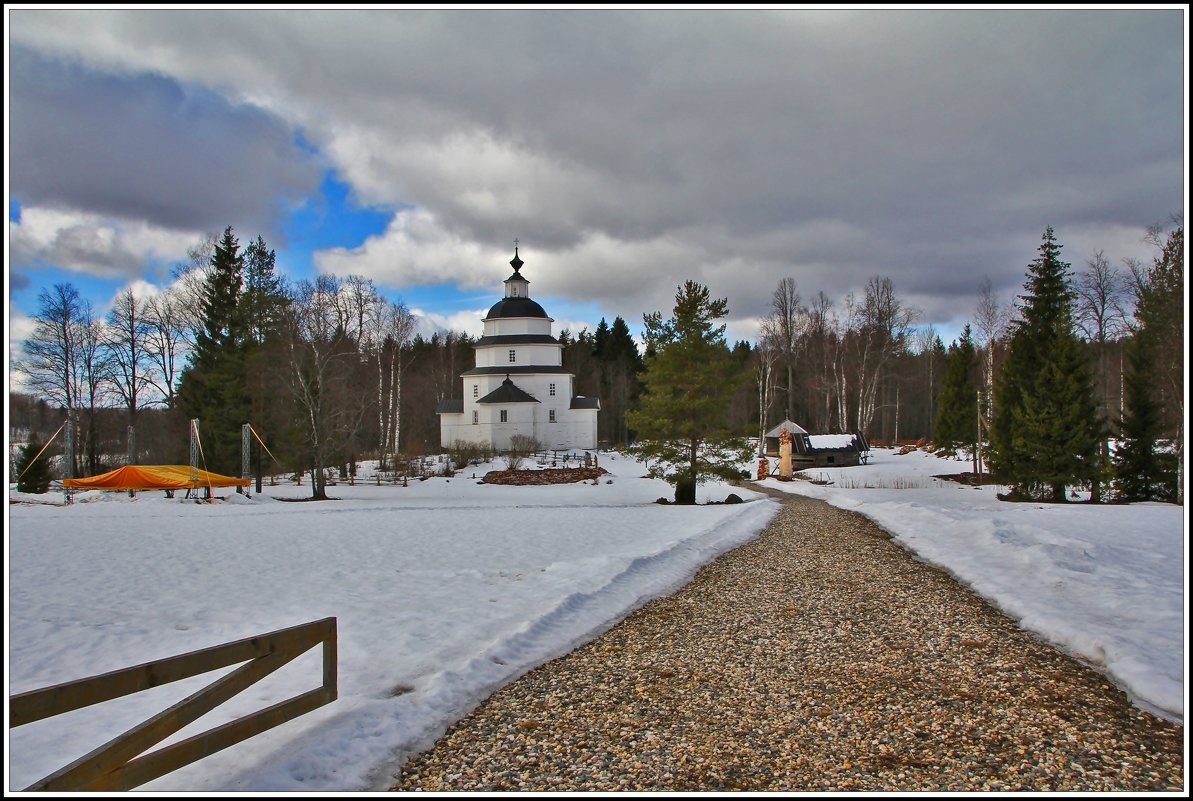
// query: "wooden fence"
[[117, 765]]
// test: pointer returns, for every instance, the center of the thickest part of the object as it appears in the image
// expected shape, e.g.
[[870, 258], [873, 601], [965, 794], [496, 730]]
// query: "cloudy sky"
[[627, 150]]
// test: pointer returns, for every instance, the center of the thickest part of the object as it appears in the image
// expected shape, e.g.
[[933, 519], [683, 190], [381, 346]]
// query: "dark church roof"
[[508, 393], [517, 339], [581, 402], [515, 307], [450, 406], [516, 370]]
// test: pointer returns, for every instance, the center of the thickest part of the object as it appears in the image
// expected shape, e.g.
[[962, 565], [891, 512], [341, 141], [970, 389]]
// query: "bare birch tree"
[[925, 345], [991, 319], [879, 327], [164, 342], [786, 325], [91, 380], [766, 354], [189, 288], [124, 339], [398, 327], [315, 326], [1101, 316], [51, 351]]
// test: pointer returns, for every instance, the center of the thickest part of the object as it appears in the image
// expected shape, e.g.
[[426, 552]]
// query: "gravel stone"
[[820, 656]]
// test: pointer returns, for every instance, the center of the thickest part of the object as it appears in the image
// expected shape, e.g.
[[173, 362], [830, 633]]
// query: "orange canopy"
[[153, 477]]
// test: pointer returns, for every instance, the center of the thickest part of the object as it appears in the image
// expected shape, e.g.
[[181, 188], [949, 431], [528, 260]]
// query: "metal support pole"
[[195, 455], [245, 450], [132, 453], [68, 455]]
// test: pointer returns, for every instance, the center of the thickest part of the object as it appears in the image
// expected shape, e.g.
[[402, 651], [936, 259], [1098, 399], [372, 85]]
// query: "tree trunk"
[[790, 392]]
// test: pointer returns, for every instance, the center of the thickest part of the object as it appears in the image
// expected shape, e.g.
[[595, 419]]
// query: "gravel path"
[[819, 656]]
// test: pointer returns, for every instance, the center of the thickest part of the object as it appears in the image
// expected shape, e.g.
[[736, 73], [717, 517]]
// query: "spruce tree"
[[956, 418], [33, 474], [1045, 434], [1141, 472], [690, 380], [620, 363], [1059, 425], [214, 385], [264, 295], [1160, 303], [262, 304]]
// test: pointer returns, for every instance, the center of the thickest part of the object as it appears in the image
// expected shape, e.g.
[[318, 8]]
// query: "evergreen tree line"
[[1044, 420], [329, 372]]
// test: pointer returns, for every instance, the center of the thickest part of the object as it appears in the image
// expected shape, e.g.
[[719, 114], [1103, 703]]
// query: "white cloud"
[[20, 328], [468, 322], [414, 250], [20, 325], [93, 244]]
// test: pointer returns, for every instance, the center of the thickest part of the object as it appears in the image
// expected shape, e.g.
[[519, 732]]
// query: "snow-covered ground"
[[443, 591], [446, 589]]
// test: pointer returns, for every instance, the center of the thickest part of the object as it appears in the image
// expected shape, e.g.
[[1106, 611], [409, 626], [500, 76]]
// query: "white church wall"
[[458, 427], [574, 429], [542, 355], [518, 325], [519, 419]]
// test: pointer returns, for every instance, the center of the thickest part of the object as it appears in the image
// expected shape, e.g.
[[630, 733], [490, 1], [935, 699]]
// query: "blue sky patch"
[[328, 220]]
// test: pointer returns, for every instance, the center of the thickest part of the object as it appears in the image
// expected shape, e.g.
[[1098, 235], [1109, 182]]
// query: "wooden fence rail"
[[116, 764]]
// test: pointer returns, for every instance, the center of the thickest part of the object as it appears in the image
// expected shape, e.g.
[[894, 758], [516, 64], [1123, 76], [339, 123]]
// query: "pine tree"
[[33, 474], [214, 384], [956, 418], [690, 381], [1046, 433]]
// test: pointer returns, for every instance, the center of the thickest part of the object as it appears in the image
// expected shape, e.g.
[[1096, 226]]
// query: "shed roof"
[[788, 426]]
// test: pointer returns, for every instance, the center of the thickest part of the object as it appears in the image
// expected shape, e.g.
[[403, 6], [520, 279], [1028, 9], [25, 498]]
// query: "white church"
[[519, 384]]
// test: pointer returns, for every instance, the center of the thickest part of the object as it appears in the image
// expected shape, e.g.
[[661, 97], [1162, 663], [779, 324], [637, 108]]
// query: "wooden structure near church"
[[817, 450]]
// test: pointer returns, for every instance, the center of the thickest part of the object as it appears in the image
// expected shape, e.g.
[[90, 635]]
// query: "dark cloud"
[[630, 149], [145, 147]]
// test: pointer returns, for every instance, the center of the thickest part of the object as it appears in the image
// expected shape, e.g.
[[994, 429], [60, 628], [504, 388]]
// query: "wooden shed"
[[818, 450], [798, 436]]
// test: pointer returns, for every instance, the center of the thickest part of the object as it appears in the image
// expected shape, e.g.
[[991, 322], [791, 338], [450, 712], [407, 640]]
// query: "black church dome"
[[515, 307]]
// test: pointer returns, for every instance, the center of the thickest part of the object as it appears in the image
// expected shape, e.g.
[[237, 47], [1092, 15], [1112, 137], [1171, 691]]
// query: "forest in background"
[[329, 372]]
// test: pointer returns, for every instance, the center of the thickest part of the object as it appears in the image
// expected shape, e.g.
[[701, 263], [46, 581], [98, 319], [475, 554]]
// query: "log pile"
[[554, 475]]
